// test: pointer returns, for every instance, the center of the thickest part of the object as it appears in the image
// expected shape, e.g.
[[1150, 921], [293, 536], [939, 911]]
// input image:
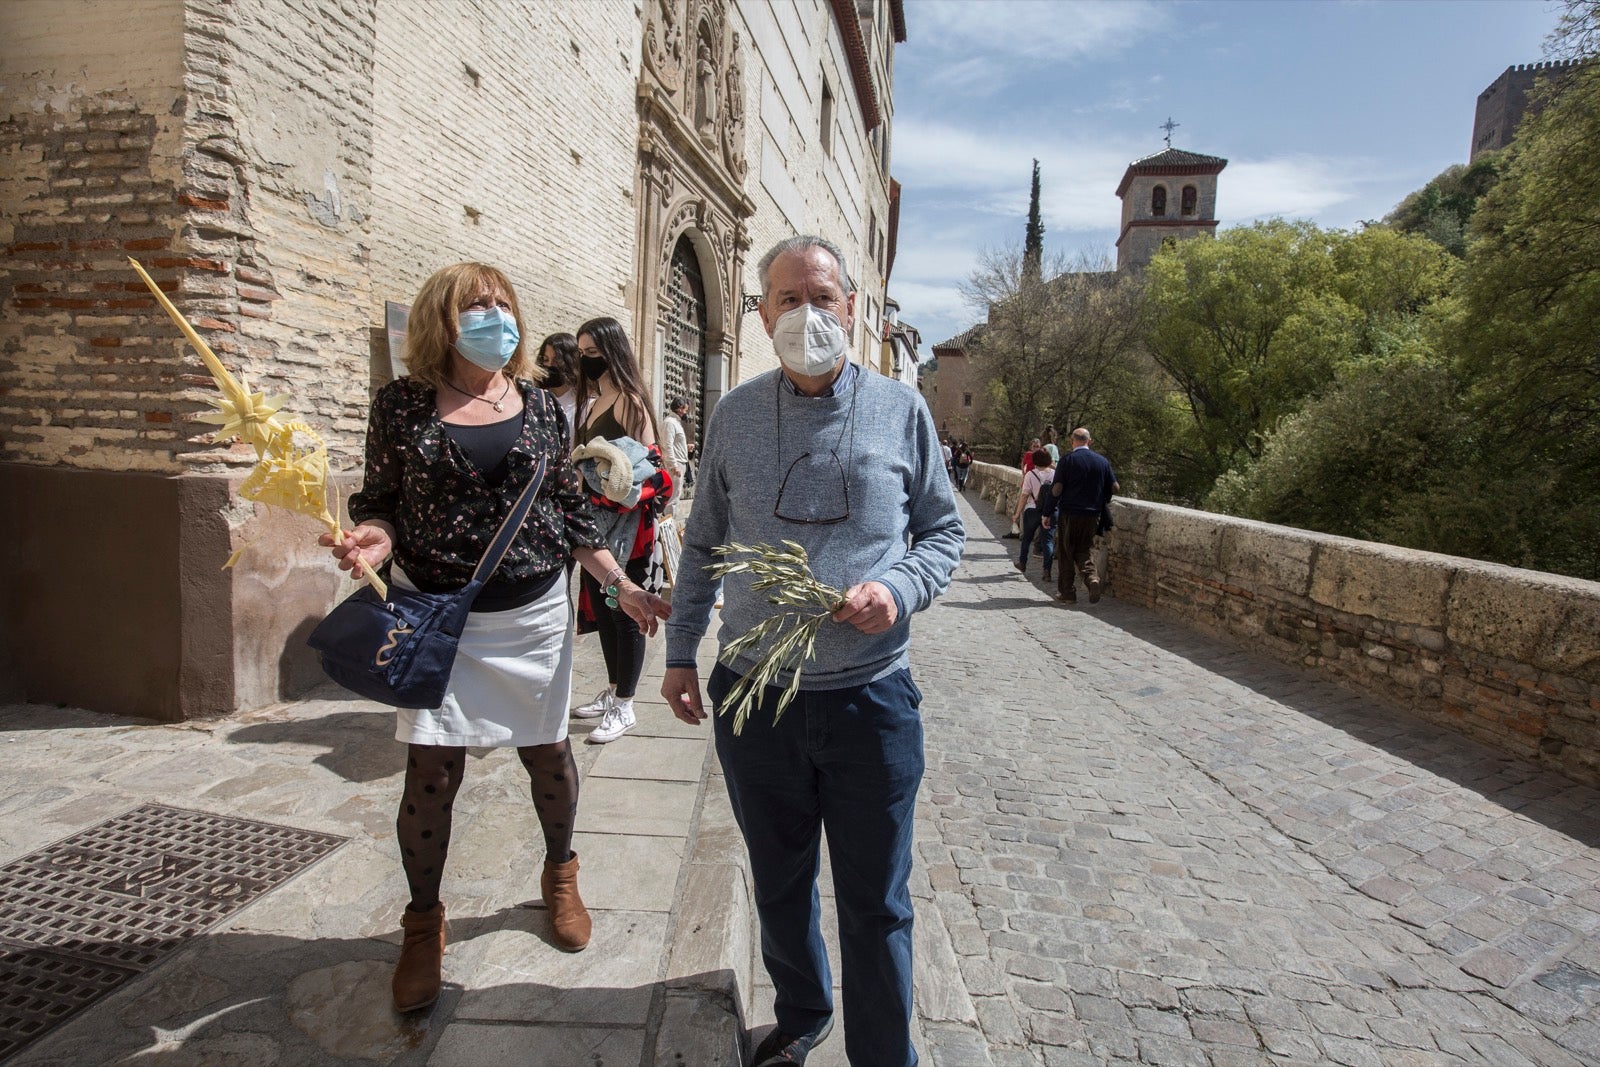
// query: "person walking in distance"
[[848, 464], [675, 446], [1082, 488]]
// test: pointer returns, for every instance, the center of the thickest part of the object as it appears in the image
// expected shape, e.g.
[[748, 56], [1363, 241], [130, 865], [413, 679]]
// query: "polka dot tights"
[[433, 775]]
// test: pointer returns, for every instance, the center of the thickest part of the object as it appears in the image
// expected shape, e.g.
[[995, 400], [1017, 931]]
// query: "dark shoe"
[[1047, 574], [417, 974], [1094, 592], [1018, 564], [1067, 598], [779, 1049], [568, 917]]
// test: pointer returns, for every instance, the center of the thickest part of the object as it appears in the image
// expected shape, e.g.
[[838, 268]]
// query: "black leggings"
[[620, 639], [433, 775]]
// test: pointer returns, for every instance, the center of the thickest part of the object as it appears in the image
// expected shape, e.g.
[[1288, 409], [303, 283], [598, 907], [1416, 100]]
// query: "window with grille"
[[684, 369]]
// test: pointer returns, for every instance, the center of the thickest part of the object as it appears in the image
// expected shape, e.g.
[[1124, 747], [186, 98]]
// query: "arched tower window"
[[1158, 200], [684, 363], [1191, 196]]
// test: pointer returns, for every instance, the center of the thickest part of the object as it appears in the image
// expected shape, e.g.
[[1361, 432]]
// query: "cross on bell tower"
[[1169, 126]]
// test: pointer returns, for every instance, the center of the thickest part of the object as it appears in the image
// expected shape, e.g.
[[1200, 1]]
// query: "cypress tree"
[[1033, 246]]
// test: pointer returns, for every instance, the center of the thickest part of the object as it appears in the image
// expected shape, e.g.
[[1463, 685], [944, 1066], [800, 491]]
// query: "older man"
[[846, 463], [1082, 489]]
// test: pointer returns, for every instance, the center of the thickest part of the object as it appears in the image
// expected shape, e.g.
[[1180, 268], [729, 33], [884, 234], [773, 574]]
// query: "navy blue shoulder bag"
[[400, 651]]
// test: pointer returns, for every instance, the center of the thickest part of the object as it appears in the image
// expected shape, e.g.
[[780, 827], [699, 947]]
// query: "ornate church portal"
[[691, 202]]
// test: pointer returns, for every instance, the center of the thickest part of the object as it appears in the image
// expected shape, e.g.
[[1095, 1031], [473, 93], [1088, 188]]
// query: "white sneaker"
[[597, 707], [617, 722]]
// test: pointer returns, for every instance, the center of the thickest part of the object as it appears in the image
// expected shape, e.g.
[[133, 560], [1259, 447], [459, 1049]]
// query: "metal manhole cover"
[[82, 916]]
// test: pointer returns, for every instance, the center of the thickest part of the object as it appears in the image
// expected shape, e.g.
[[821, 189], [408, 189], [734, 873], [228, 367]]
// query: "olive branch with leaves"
[[786, 640]]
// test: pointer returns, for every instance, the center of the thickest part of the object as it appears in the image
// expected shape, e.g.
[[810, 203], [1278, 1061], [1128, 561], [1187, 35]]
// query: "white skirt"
[[512, 681]]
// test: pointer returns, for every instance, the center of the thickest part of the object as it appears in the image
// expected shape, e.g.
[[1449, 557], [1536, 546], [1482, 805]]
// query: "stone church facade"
[[287, 169]]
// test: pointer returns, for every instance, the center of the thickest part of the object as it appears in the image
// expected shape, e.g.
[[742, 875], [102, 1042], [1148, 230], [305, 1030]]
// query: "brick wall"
[[224, 145], [945, 390], [92, 174], [278, 192], [506, 133]]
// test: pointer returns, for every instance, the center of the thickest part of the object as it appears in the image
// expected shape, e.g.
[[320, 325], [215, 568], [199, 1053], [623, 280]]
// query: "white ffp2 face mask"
[[809, 341]]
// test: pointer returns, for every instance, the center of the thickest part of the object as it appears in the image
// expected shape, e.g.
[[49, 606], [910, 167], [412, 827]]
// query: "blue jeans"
[[846, 762], [1031, 528]]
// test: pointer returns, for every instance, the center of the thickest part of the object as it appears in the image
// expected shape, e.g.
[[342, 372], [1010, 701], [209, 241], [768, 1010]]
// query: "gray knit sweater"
[[903, 530]]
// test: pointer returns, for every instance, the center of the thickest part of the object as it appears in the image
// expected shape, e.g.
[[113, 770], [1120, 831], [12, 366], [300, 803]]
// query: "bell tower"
[[1170, 195]]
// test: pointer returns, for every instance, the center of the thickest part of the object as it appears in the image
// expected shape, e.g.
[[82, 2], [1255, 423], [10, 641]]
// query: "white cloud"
[[1034, 30], [1295, 187], [933, 309], [989, 171]]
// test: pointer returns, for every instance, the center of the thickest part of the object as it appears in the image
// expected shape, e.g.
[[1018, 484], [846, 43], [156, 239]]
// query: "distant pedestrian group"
[[1062, 505]]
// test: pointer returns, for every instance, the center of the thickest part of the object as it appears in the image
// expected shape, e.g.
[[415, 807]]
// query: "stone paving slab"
[[1148, 846]]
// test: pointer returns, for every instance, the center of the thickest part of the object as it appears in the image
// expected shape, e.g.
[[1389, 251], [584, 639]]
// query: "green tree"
[[1442, 210], [1386, 432], [1526, 336], [1254, 323], [1531, 289], [1033, 243], [1053, 349]]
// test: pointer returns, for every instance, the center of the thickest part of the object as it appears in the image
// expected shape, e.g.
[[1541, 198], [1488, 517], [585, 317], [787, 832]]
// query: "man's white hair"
[[800, 243]]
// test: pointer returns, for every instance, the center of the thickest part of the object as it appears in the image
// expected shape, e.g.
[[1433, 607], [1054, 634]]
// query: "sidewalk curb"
[[710, 952]]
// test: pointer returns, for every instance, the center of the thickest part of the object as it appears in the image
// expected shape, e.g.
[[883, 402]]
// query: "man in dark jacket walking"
[[1079, 494]]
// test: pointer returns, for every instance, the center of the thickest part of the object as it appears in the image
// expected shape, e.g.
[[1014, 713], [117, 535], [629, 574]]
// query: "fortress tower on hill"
[[1502, 105], [1172, 194]]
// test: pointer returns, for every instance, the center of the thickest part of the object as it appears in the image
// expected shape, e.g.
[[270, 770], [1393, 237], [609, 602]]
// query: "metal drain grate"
[[84, 915]]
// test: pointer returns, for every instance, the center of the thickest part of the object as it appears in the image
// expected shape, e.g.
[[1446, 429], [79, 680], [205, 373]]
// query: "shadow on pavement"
[[360, 744], [1509, 781], [248, 998]]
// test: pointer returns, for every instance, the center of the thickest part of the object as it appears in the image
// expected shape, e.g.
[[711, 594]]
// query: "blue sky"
[[1330, 111]]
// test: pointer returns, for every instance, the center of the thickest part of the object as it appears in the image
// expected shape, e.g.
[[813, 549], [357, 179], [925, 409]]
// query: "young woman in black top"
[[617, 406]]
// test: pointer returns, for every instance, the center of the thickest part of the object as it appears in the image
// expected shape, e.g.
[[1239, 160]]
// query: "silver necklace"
[[499, 405]]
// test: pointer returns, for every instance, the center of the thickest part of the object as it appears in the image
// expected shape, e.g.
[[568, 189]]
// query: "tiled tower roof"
[[1173, 161]]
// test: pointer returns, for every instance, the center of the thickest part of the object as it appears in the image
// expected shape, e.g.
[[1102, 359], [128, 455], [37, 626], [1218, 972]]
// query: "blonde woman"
[[450, 447]]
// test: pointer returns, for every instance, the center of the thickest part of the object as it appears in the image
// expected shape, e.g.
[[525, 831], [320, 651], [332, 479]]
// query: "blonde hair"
[[432, 329]]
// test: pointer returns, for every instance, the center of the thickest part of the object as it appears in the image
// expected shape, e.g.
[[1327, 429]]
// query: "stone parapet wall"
[[1507, 656], [996, 483]]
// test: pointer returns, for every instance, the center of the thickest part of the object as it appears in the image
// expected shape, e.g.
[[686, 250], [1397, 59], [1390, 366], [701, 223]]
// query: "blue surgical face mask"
[[488, 338]]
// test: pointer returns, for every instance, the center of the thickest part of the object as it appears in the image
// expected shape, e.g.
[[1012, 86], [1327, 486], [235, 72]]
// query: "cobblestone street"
[[1147, 845]]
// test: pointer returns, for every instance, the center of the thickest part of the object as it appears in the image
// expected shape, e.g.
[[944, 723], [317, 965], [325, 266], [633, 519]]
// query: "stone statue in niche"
[[733, 124], [705, 104]]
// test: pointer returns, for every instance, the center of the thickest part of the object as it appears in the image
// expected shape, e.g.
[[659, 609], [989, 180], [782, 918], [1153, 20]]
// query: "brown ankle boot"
[[568, 916], [416, 975]]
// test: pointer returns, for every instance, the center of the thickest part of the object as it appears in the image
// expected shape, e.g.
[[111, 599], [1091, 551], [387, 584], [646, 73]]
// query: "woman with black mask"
[[558, 355], [613, 404]]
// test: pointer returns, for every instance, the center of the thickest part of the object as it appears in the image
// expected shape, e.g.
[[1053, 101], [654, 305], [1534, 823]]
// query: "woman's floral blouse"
[[445, 514]]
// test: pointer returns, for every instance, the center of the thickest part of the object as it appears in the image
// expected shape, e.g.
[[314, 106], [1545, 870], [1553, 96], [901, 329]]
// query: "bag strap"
[[513, 522]]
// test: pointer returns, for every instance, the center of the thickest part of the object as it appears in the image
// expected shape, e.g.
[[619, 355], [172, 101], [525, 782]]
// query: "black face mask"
[[553, 378], [594, 367]]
